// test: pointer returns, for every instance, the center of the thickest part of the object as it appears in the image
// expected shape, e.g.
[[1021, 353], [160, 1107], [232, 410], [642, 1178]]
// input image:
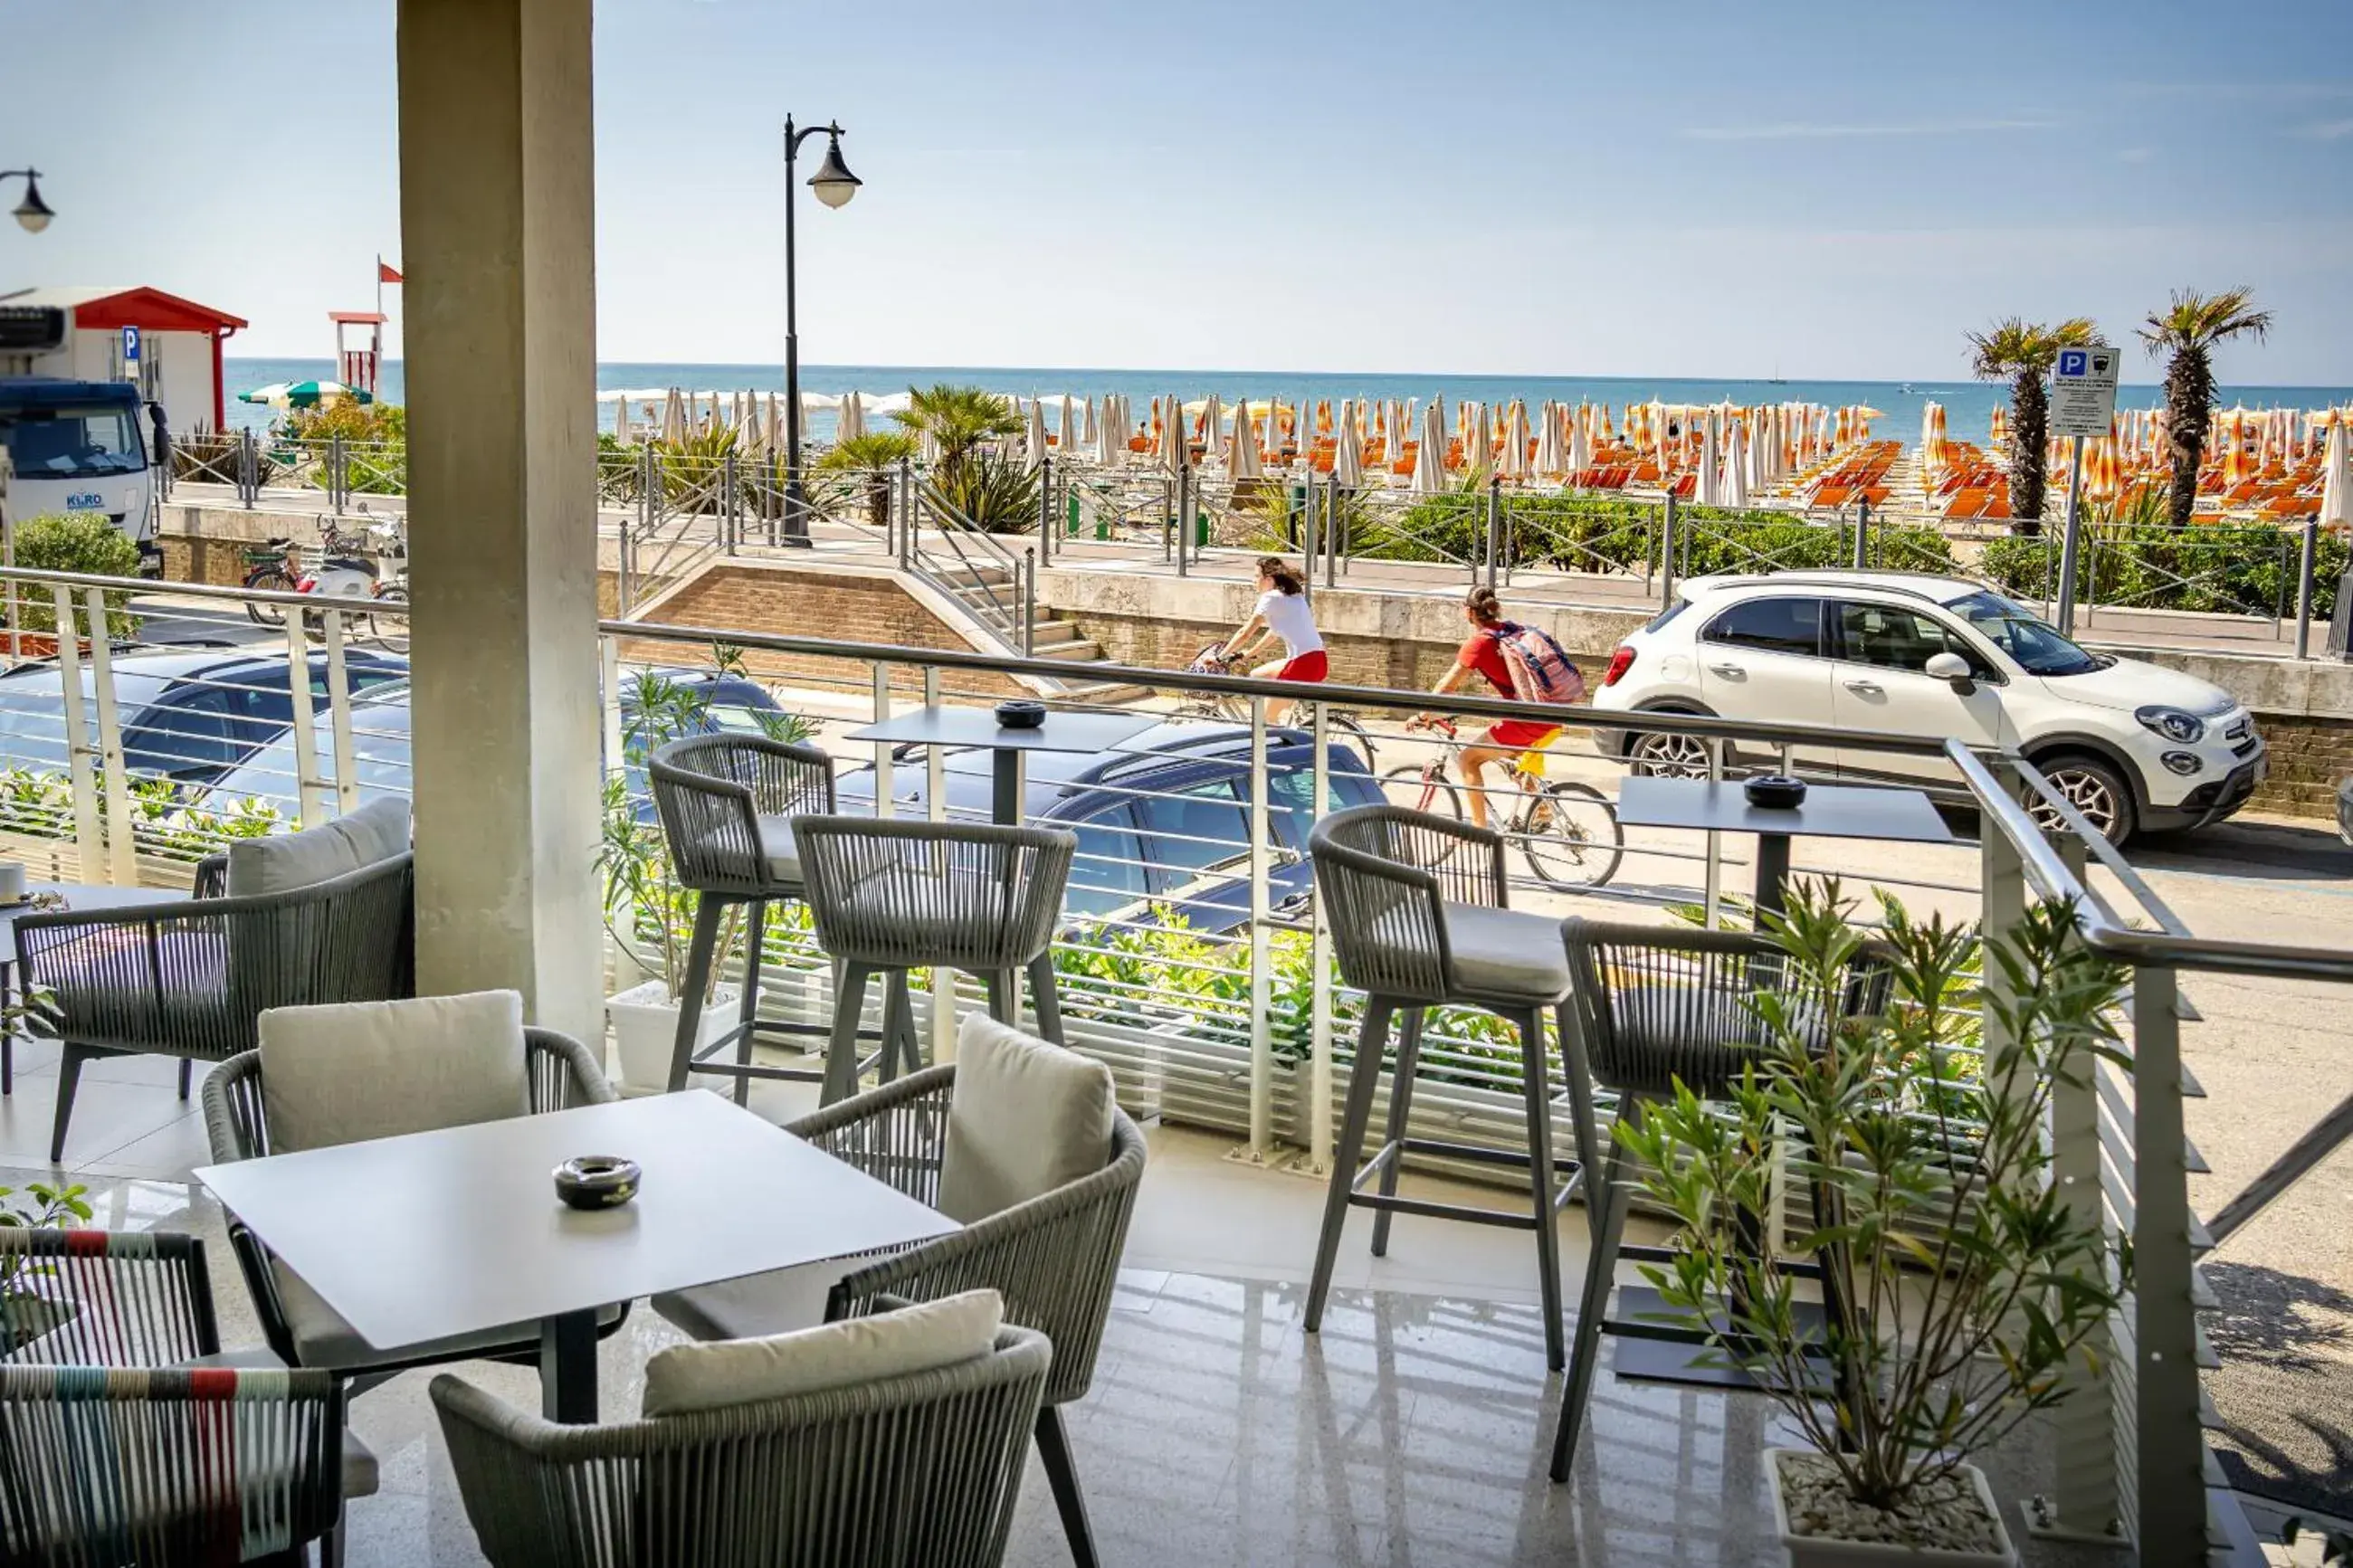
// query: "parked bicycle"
[[1568, 831], [1210, 660], [344, 570]]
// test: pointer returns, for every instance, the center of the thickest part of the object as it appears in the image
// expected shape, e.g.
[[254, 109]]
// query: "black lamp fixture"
[[33, 213], [834, 185]]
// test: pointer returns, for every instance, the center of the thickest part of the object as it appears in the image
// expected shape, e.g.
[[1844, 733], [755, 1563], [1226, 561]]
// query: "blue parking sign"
[[2074, 361], [130, 345]]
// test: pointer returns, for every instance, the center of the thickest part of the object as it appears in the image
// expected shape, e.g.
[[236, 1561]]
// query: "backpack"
[[1541, 672]]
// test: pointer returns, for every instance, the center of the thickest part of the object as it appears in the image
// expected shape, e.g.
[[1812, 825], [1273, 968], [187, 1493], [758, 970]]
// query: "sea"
[[1968, 405]]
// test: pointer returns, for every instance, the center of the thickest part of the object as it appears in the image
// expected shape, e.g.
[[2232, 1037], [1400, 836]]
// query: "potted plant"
[[1969, 1293], [647, 914], [26, 1310]]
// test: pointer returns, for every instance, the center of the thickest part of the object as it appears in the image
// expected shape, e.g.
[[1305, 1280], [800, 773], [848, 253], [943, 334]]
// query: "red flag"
[[386, 273]]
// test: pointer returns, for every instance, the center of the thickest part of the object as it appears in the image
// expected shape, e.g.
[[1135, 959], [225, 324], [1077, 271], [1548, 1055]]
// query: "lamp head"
[[33, 213], [833, 182]]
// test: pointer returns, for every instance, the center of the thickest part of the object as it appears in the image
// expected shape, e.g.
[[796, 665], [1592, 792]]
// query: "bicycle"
[[1567, 831], [343, 572], [1211, 660]]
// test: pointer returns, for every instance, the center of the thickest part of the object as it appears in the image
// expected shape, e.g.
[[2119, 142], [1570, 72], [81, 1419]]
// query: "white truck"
[[80, 447]]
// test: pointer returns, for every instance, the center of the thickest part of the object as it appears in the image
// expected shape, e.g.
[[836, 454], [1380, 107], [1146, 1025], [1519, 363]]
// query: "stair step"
[[1050, 631], [1078, 650]]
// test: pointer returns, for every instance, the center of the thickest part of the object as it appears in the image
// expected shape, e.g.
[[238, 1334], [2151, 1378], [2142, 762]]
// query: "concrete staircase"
[[982, 590]]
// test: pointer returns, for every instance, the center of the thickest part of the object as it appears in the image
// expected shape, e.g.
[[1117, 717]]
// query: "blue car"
[[1165, 819], [188, 717]]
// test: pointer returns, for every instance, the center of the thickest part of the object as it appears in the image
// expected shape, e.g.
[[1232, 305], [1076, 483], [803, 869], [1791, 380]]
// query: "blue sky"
[[1821, 187]]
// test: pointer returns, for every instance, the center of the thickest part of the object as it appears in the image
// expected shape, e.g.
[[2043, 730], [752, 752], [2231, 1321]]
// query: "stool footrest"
[[1568, 1172], [1510, 1220], [703, 1063]]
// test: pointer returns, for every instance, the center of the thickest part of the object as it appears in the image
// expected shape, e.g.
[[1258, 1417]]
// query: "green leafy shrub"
[[2229, 568], [210, 457], [991, 490], [74, 542], [1583, 532]]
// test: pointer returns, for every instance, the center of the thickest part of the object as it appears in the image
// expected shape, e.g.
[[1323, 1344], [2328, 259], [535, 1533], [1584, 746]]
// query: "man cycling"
[[1519, 740]]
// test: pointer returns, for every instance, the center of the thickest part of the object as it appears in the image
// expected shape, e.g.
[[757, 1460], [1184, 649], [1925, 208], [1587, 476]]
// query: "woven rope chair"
[[1651, 1006], [916, 1471], [104, 1297], [106, 1467], [189, 980], [559, 1073], [726, 805], [887, 897], [1416, 907]]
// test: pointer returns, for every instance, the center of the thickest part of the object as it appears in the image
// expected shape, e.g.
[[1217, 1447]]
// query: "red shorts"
[[1519, 734], [1312, 665]]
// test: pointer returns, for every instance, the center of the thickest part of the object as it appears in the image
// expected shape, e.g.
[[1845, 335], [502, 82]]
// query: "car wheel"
[[2097, 791], [1668, 756]]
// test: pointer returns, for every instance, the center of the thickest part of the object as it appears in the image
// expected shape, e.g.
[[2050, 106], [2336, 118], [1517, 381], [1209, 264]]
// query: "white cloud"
[[1797, 131], [2328, 130]]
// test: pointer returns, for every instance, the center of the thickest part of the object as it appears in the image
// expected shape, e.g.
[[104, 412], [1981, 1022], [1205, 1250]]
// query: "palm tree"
[[2021, 353], [958, 419], [867, 459], [2188, 329]]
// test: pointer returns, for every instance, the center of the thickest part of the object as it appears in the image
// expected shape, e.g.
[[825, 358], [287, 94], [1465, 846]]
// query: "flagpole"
[[379, 283]]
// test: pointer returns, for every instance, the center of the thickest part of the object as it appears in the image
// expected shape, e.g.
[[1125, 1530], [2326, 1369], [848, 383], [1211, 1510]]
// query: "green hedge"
[[2226, 568], [1595, 533]]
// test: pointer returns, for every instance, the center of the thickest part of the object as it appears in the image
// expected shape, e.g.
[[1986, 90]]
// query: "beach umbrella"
[[1429, 463], [622, 421], [1213, 426], [1480, 450], [1069, 432], [1088, 427], [1174, 451], [304, 395], [1581, 450], [1710, 489], [2337, 476], [851, 424], [1347, 456], [1736, 465], [1033, 436], [1241, 447], [673, 418], [1552, 458]]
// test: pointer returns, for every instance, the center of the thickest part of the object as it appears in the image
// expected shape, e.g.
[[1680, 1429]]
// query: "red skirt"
[[1310, 667]]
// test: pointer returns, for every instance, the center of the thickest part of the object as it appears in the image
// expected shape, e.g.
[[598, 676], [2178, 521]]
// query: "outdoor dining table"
[[455, 1231], [977, 727], [77, 895], [1828, 811]]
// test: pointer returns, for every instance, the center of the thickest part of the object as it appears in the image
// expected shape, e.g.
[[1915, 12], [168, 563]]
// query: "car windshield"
[[74, 442], [2038, 648]]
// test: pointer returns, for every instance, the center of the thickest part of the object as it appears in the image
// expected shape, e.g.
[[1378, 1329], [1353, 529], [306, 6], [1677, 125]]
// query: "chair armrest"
[[212, 877], [563, 1073], [896, 1133], [1054, 1259]]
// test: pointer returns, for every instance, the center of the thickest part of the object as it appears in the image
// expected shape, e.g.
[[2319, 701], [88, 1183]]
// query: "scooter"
[[343, 572]]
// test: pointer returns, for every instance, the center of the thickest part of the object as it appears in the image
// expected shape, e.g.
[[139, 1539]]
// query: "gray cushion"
[[1506, 955], [776, 843], [772, 1303], [323, 1340], [716, 1375], [348, 1071], [1025, 1117], [287, 862]]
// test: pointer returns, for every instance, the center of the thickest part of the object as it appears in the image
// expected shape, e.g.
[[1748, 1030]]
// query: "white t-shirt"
[[1288, 617]]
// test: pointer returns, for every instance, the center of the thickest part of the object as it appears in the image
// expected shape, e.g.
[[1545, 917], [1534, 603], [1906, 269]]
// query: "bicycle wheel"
[[1352, 728], [1419, 789], [269, 581], [1582, 844], [391, 634]]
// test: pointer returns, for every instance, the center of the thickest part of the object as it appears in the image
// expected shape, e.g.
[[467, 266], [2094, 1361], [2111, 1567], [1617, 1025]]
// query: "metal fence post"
[[1184, 515], [884, 806], [1262, 978], [122, 852], [615, 757], [2168, 1437], [1336, 541], [1028, 604], [82, 772], [248, 470], [1319, 977], [337, 477], [1311, 544], [935, 809], [906, 513], [1494, 528], [731, 515], [1862, 533], [310, 799], [2305, 564], [1046, 508], [339, 714], [2070, 543], [1667, 553]]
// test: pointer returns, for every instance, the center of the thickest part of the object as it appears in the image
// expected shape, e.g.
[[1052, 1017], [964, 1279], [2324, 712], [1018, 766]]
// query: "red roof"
[[151, 310], [357, 318]]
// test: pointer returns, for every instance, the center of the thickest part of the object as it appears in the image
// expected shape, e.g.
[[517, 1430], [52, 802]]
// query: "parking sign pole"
[[2069, 541]]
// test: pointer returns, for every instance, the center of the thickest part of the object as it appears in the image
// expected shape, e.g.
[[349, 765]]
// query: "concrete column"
[[498, 238]]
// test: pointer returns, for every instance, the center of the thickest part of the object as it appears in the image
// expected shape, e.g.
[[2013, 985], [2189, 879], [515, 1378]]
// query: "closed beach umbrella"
[[1111, 434], [1213, 427], [673, 421], [1175, 449], [1087, 431], [1241, 447], [1033, 436], [1069, 432], [2337, 476], [1429, 463], [1711, 478], [852, 424], [1347, 456], [1736, 465], [621, 420], [1580, 449], [1516, 441], [1480, 450], [1552, 459]]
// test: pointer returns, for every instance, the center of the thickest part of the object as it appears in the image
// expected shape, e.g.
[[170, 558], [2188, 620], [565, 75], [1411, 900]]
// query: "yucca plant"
[[958, 420], [2188, 330], [995, 492], [2021, 353]]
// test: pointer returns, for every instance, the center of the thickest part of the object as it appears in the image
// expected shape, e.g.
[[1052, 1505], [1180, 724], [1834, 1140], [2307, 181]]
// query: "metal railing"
[[941, 546], [2273, 580]]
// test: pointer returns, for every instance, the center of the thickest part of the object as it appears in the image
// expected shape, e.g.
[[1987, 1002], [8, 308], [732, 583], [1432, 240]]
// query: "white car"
[[2135, 747]]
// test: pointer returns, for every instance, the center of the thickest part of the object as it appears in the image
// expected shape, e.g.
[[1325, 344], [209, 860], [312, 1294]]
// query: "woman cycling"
[[1281, 612], [1482, 654]]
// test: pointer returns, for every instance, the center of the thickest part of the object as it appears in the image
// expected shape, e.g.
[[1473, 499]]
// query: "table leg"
[[1772, 872], [567, 1368], [1005, 787]]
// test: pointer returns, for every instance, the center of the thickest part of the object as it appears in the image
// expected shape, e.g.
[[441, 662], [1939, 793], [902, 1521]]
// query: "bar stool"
[[1416, 906], [889, 896], [727, 804], [1650, 1007]]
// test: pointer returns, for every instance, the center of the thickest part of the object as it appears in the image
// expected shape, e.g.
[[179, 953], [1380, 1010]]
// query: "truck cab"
[[79, 446]]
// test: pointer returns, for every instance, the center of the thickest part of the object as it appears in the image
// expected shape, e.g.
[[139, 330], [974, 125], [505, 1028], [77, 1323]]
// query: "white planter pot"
[[1829, 1551], [645, 1031]]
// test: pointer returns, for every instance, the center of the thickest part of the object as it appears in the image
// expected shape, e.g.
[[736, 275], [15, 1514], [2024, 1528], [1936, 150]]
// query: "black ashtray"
[[597, 1180], [1020, 714], [1774, 791]]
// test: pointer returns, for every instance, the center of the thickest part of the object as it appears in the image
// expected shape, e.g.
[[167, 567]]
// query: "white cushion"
[[1506, 955], [1026, 1117], [353, 1070], [287, 862], [687, 1378]]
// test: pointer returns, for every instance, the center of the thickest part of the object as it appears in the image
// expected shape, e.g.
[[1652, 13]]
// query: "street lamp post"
[[33, 213], [834, 185]]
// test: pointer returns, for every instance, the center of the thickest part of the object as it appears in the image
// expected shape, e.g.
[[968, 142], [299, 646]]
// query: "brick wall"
[[793, 602], [1402, 662], [2309, 754]]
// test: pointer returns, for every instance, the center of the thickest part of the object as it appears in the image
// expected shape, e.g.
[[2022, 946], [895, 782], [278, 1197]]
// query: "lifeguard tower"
[[358, 366]]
